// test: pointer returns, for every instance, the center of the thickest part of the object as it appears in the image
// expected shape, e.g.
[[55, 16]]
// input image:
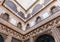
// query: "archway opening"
[[1, 39], [45, 38]]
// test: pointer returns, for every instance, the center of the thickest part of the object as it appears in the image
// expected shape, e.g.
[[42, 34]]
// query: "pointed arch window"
[[19, 25], [55, 9], [5, 16], [38, 19], [27, 26]]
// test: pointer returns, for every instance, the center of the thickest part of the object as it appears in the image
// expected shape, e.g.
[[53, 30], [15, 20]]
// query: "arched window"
[[38, 19], [1, 39], [45, 38], [55, 9], [52, 8], [27, 26], [5, 16], [19, 25]]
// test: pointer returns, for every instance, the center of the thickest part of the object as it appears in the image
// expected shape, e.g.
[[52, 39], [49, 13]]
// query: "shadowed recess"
[[45, 38], [1, 39]]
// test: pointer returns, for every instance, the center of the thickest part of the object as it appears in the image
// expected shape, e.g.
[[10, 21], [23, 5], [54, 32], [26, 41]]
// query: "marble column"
[[56, 34], [9, 38], [22, 40], [31, 39]]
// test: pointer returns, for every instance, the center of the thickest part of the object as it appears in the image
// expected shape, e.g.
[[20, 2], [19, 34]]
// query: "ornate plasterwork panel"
[[46, 27], [24, 11], [15, 8], [6, 30], [26, 4], [43, 28]]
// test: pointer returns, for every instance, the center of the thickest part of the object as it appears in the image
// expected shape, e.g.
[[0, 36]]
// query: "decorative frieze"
[[33, 32], [10, 31], [42, 28]]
